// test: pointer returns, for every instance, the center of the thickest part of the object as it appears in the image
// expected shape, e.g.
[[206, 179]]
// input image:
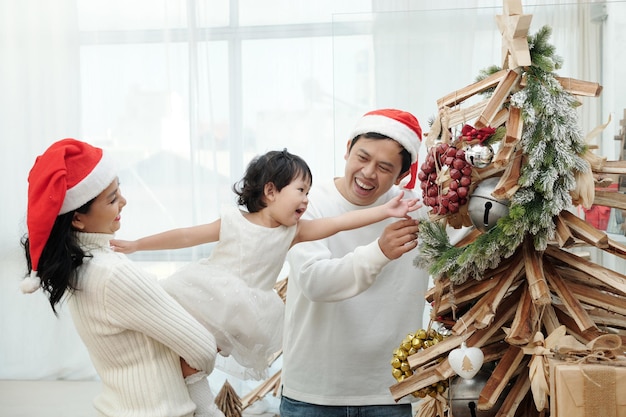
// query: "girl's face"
[[104, 213], [290, 203]]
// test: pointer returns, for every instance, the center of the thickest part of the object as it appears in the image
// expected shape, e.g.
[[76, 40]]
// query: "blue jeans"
[[293, 408]]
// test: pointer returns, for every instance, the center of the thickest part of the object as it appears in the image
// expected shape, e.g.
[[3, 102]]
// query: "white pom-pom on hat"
[[31, 283]]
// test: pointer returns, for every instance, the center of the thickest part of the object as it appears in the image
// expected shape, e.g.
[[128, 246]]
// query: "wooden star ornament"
[[514, 25]]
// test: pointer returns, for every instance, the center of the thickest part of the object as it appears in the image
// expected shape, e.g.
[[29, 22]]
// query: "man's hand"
[[398, 238]]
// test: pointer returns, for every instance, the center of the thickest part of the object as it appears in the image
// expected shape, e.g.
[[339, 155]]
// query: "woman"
[[136, 334]]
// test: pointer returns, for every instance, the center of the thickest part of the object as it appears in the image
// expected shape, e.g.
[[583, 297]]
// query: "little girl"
[[232, 291]]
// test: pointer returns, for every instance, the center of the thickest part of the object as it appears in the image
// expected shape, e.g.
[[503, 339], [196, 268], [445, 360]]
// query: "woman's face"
[[104, 213]]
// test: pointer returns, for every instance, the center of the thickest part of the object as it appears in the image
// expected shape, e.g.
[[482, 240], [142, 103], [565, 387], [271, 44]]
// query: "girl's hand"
[[123, 246], [397, 207]]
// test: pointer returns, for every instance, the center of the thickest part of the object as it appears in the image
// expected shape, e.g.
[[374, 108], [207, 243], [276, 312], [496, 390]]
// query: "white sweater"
[[348, 307], [135, 334]]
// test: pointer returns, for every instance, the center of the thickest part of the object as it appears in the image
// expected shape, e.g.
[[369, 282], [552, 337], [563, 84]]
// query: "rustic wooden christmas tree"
[[507, 288], [228, 401]]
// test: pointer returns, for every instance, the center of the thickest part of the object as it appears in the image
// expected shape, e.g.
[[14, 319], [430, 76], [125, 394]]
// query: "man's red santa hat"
[[398, 125]]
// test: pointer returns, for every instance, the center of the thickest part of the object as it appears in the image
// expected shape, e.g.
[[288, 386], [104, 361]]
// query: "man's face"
[[372, 167]]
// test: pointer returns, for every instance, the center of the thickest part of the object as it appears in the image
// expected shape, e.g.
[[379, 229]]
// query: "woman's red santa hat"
[[398, 125], [66, 176]]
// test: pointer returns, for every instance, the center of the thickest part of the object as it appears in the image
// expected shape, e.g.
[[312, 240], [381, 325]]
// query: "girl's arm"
[[172, 239], [321, 228]]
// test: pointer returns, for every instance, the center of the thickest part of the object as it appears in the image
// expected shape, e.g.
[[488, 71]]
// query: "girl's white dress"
[[232, 291]]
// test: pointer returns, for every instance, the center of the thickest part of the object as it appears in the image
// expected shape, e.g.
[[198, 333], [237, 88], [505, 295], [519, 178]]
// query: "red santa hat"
[[67, 175], [398, 125]]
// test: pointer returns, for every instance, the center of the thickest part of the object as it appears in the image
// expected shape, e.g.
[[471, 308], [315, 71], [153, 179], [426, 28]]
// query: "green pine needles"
[[553, 145]]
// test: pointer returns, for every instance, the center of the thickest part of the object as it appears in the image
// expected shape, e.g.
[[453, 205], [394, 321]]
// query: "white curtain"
[[185, 92]]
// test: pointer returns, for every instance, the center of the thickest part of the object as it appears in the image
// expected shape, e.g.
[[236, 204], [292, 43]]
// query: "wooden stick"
[[457, 116], [611, 278], [581, 277], [481, 313], [500, 377], [607, 319], [513, 134], [580, 87], [537, 284], [610, 199], [616, 248], [576, 310], [421, 380], [525, 323], [584, 231], [433, 352], [502, 92], [461, 95], [572, 328], [508, 184], [601, 299], [611, 167], [462, 296], [549, 319], [576, 87], [564, 236], [260, 391], [515, 396], [486, 312], [503, 316]]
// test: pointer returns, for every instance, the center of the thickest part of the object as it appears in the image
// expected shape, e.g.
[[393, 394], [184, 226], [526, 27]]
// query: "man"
[[354, 296]]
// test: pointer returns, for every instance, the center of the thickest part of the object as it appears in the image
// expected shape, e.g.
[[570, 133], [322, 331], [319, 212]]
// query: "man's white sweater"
[[135, 334], [348, 308]]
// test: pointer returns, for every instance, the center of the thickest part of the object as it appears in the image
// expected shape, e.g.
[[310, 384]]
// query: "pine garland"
[[553, 145]]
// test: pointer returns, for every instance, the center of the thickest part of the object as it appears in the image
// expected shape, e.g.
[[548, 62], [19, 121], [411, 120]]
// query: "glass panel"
[[272, 12], [117, 15], [287, 99]]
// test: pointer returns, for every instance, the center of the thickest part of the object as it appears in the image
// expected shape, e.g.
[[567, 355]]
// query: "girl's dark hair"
[[406, 156], [60, 258], [277, 167]]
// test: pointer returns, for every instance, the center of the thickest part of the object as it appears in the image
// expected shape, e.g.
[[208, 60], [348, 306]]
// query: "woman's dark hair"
[[406, 156], [277, 167], [60, 258]]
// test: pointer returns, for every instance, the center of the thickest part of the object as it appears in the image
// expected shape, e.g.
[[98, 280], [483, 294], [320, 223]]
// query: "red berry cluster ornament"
[[445, 178]]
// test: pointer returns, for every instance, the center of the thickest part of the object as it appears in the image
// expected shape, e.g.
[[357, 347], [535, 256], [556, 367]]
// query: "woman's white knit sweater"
[[135, 334]]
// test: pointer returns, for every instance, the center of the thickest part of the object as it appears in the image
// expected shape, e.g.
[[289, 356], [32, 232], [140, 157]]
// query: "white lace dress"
[[232, 291]]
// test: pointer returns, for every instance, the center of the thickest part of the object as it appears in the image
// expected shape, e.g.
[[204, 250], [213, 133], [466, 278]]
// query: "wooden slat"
[[433, 352], [564, 236], [610, 199], [580, 87], [525, 323], [601, 299], [508, 184], [482, 313], [499, 96], [514, 128], [534, 274], [515, 396], [500, 377], [612, 167], [421, 380], [458, 115], [463, 94], [575, 87], [569, 300], [572, 327], [584, 231], [616, 248], [611, 278]]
